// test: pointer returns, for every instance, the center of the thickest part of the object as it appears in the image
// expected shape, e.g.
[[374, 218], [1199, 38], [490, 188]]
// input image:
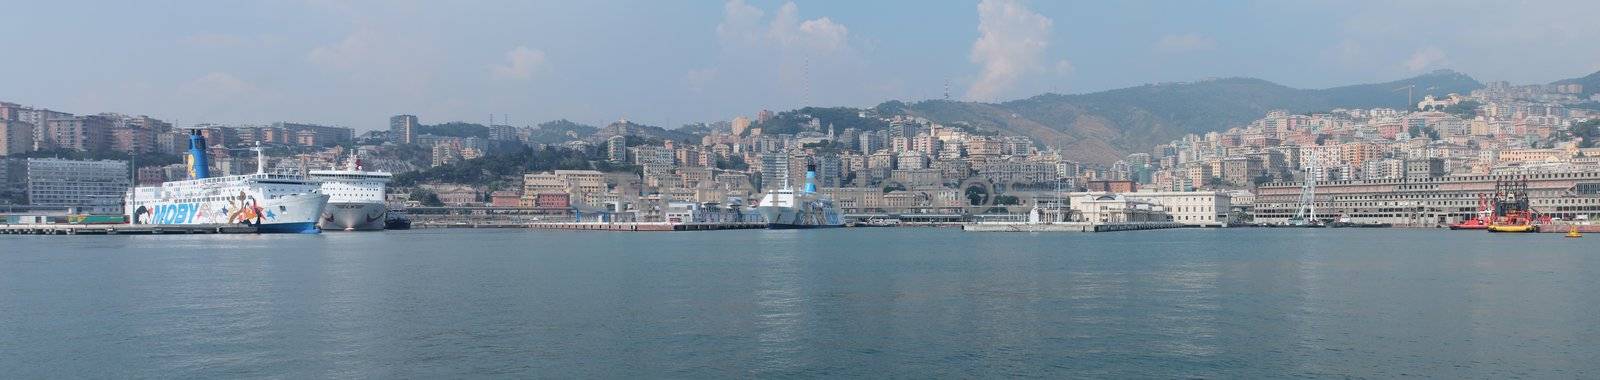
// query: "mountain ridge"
[[1104, 126]]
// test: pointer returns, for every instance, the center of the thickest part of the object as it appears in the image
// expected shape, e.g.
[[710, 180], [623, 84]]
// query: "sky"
[[355, 63]]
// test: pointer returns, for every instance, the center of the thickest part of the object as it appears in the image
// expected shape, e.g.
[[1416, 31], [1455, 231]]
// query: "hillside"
[[1591, 83], [1103, 126]]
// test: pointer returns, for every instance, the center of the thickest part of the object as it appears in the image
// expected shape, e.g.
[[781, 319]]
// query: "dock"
[[1067, 227], [122, 229], [1563, 228], [617, 226]]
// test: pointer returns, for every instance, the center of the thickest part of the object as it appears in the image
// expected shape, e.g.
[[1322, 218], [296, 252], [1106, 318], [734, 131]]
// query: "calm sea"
[[877, 303]]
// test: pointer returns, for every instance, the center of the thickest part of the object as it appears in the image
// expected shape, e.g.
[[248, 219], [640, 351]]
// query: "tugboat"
[[1511, 201], [1481, 220]]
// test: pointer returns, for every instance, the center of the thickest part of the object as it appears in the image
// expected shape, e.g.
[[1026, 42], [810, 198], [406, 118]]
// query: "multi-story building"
[[587, 186], [774, 170], [617, 149], [1431, 201], [83, 133], [88, 186], [403, 129], [16, 136], [1195, 208]]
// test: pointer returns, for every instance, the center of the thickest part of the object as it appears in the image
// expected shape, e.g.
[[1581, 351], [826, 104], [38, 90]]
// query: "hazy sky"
[[354, 63]]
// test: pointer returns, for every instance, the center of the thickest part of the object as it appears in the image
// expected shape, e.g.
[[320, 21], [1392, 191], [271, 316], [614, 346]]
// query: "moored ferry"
[[272, 203], [356, 198], [788, 208]]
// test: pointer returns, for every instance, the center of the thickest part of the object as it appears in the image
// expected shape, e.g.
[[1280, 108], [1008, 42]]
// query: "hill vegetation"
[[1104, 126], [502, 171], [1591, 83]]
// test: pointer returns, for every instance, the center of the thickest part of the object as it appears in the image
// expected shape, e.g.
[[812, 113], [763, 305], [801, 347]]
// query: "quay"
[[1563, 228], [615, 226], [1067, 227], [122, 229]]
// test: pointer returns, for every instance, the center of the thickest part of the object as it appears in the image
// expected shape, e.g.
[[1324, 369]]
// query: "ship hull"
[[353, 216], [788, 218], [288, 214]]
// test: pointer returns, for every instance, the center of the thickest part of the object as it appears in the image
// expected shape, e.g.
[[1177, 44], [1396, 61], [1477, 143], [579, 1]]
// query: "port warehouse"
[[1429, 202]]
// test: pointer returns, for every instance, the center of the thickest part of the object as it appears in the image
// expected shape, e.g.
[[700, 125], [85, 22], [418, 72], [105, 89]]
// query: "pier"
[[122, 229], [619, 226], [1067, 227]]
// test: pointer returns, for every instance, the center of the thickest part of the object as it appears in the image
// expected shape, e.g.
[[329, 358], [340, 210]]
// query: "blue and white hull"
[[287, 214]]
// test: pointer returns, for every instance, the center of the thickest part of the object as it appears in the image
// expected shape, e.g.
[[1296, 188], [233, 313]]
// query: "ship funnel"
[[811, 178], [199, 166]]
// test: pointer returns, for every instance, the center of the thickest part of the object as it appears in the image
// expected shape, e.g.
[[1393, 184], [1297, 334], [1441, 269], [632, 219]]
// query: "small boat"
[[1470, 224], [1573, 233]]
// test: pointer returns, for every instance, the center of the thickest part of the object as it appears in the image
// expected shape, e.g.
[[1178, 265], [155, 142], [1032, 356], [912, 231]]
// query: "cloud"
[[1065, 67], [1184, 43], [1348, 53], [740, 22], [521, 62], [350, 53], [1011, 42], [217, 85], [1425, 58], [816, 36], [214, 40], [781, 49], [697, 80], [742, 26]]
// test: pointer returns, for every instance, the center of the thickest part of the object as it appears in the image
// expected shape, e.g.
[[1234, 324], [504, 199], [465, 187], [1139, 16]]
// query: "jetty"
[[1067, 227], [122, 229], [609, 226]]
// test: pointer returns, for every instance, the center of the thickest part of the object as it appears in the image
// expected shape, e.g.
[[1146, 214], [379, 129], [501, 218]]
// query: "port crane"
[[1306, 215]]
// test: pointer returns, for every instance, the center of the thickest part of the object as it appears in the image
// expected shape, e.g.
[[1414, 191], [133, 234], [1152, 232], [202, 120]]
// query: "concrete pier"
[[122, 229], [1066, 227], [621, 226]]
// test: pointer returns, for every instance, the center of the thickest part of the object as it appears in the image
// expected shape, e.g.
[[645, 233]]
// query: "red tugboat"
[[1480, 221], [1512, 209]]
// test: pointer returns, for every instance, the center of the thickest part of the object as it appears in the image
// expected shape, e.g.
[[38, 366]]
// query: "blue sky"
[[354, 63]]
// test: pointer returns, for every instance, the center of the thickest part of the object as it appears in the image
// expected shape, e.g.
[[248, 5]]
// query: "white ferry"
[[789, 209], [273, 203], [356, 198]]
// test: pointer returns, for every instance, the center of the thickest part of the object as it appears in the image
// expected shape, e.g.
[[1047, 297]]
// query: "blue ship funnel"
[[811, 178], [199, 166]]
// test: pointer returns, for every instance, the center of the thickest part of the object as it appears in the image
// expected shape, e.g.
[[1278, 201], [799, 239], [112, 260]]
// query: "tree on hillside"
[[1589, 131]]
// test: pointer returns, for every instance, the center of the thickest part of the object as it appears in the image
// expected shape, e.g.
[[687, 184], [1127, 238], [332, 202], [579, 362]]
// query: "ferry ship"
[[356, 198], [787, 208], [272, 203]]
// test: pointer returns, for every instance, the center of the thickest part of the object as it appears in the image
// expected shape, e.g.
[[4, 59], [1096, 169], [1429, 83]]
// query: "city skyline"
[[352, 64]]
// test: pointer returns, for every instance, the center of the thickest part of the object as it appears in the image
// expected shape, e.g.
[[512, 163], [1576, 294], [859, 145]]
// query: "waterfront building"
[[1194, 208], [1429, 202], [89, 186], [1101, 208]]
